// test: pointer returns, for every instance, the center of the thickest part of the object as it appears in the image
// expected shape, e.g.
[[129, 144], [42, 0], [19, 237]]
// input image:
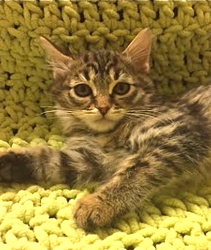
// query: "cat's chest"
[[110, 141], [105, 141]]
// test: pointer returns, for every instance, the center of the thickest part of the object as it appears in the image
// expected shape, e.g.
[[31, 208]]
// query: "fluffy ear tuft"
[[58, 61], [138, 51]]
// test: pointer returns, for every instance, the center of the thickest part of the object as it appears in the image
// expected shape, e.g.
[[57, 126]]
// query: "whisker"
[[148, 114], [48, 111], [52, 106]]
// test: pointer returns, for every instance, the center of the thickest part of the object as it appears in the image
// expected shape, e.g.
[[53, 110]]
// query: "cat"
[[122, 135]]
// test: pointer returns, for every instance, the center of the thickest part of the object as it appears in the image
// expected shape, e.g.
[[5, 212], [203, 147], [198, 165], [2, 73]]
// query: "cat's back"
[[200, 96], [186, 116]]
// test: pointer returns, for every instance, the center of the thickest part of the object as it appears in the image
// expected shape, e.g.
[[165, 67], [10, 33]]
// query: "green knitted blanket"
[[40, 218]]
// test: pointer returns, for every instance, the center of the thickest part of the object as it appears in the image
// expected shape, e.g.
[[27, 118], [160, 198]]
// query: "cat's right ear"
[[58, 60]]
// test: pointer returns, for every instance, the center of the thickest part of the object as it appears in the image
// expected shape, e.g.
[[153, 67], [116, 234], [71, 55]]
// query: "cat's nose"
[[103, 110], [103, 104]]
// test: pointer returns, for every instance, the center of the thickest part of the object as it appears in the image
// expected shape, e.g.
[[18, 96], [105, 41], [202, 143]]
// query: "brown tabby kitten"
[[120, 134]]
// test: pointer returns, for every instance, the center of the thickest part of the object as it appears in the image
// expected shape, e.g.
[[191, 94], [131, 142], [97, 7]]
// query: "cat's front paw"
[[91, 211], [7, 160], [14, 166]]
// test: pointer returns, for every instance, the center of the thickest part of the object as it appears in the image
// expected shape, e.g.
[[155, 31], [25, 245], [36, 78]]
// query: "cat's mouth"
[[103, 118], [101, 124]]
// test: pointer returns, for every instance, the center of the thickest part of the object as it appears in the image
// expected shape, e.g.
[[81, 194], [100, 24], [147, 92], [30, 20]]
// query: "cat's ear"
[[58, 60], [138, 51]]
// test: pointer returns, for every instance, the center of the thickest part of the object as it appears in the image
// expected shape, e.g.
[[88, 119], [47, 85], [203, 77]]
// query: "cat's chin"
[[101, 125]]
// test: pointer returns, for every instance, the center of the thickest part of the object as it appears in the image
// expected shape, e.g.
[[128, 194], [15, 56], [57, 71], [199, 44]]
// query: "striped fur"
[[129, 145]]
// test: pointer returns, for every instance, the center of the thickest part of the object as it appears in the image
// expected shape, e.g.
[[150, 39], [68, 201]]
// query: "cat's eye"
[[82, 90], [121, 88]]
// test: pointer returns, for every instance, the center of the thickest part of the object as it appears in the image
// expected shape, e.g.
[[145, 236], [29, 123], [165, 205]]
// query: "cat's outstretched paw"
[[7, 161], [91, 211], [14, 166]]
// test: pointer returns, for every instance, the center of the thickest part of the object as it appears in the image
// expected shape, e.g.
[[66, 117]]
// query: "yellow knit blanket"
[[37, 218]]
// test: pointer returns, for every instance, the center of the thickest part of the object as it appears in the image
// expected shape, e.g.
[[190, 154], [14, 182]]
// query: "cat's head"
[[96, 89]]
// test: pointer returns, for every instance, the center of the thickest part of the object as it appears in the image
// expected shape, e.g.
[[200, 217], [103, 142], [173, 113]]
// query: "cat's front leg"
[[36, 164], [112, 199], [80, 164], [136, 180]]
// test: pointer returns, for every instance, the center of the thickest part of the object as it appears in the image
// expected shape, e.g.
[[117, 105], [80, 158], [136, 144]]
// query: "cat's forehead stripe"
[[83, 77], [101, 61]]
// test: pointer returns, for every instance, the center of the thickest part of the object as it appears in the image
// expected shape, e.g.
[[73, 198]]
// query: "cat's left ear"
[[138, 51], [58, 60]]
